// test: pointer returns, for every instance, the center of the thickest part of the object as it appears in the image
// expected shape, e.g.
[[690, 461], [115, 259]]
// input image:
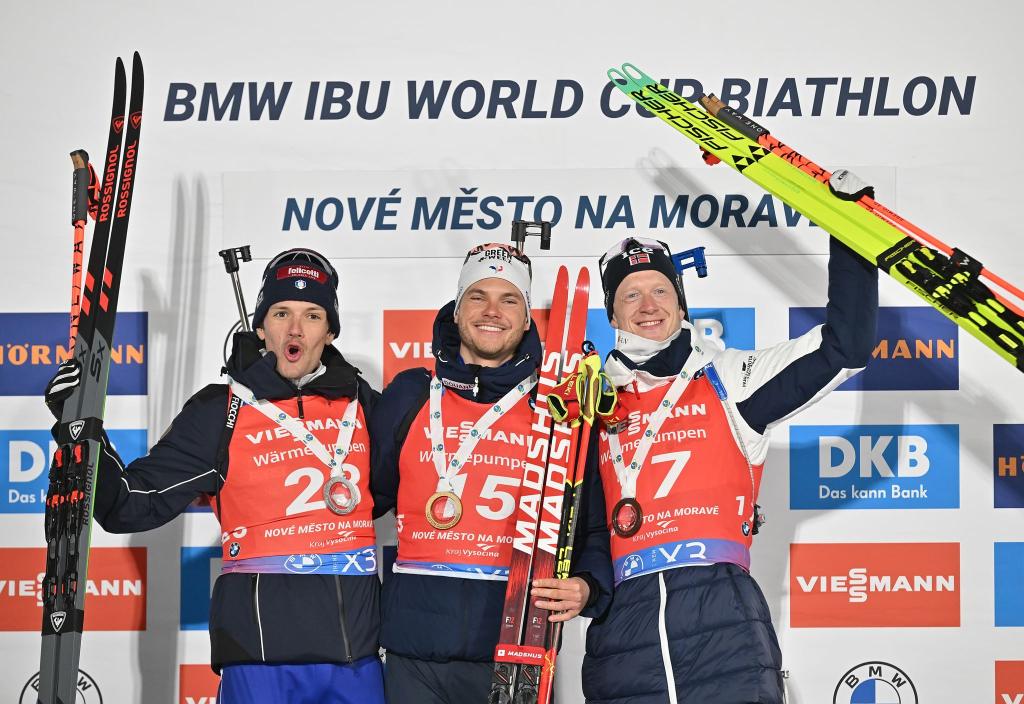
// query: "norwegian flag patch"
[[641, 258]]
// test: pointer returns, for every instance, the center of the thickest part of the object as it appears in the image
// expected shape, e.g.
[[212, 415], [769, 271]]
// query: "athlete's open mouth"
[[292, 352]]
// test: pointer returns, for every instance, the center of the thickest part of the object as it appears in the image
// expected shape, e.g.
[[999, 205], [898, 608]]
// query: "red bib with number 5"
[[479, 546], [273, 504], [696, 489]]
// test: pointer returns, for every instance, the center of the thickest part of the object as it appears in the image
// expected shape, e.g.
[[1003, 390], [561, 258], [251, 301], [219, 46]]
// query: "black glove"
[[62, 385]]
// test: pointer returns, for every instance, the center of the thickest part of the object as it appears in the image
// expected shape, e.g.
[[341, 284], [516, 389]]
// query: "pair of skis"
[[549, 501], [69, 498], [946, 278]]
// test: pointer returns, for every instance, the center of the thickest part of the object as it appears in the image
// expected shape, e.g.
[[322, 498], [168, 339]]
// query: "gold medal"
[[341, 495], [627, 517], [438, 505]]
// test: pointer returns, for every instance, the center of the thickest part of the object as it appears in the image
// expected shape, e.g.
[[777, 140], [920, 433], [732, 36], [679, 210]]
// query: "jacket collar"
[[649, 364], [251, 365]]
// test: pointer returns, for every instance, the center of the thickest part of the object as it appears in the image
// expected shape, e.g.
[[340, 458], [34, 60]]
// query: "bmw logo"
[[631, 565], [875, 683], [303, 564], [300, 284], [234, 549]]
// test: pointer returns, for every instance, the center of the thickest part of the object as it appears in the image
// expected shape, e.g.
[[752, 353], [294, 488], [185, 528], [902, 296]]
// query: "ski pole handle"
[[231, 259], [80, 187]]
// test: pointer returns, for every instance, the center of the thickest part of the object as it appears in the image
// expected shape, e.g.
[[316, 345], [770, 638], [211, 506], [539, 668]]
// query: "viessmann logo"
[[916, 348], [116, 589], [874, 584]]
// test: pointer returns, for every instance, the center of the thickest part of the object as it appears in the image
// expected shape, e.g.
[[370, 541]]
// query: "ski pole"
[[231, 258], [80, 185]]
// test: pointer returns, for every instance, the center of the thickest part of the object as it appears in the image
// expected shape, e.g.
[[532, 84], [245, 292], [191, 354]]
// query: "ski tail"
[[949, 284], [69, 504]]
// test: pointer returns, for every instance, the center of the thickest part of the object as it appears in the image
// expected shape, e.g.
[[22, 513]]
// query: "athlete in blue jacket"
[[680, 473], [294, 613], [452, 466]]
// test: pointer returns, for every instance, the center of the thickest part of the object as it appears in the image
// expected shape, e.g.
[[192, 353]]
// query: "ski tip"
[[640, 76], [136, 61], [617, 77]]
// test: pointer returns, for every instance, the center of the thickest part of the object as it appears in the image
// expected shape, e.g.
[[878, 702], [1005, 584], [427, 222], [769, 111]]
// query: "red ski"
[[522, 643]]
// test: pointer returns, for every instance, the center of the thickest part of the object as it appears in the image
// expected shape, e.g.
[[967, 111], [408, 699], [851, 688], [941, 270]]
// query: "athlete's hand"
[[567, 596], [62, 385]]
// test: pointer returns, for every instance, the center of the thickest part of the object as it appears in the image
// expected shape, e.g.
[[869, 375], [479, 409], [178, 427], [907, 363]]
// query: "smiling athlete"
[[680, 471], [452, 444]]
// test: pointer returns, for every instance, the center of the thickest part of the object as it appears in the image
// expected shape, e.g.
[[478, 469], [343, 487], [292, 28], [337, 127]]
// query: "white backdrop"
[[205, 184]]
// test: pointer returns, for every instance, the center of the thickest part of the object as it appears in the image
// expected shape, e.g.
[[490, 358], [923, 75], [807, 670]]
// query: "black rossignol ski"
[[69, 498]]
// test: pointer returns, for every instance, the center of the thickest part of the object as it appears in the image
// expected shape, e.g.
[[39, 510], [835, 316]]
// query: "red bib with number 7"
[[479, 546], [272, 502], [696, 489]]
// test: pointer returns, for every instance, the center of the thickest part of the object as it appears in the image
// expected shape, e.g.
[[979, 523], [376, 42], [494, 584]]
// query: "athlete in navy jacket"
[[442, 607], [681, 472], [294, 613]]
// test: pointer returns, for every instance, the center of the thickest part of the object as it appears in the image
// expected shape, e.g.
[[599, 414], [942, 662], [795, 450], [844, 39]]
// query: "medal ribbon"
[[299, 432], [446, 474], [627, 475]]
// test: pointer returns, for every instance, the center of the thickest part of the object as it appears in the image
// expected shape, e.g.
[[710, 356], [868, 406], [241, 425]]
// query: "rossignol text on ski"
[[69, 499]]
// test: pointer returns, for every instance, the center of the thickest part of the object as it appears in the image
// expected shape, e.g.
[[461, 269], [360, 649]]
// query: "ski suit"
[[442, 607], [687, 623], [299, 586]]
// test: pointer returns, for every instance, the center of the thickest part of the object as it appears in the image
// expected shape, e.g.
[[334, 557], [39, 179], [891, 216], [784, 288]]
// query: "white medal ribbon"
[[298, 431], [627, 475], [447, 472]]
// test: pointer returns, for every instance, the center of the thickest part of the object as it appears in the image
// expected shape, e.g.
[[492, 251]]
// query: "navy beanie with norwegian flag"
[[633, 256], [299, 275]]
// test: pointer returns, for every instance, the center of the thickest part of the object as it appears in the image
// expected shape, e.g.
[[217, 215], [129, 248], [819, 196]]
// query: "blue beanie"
[[299, 275]]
